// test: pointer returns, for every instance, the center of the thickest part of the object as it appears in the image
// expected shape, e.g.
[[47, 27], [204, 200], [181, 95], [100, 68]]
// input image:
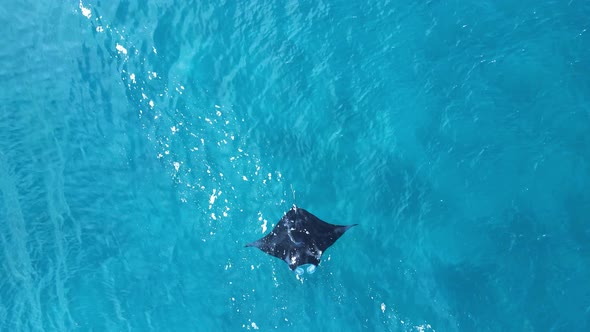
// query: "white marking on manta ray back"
[[291, 236]]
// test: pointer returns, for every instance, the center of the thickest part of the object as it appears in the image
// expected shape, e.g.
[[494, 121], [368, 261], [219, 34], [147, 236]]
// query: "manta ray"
[[300, 238]]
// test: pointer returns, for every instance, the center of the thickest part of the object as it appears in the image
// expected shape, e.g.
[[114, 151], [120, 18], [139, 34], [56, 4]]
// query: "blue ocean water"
[[143, 143]]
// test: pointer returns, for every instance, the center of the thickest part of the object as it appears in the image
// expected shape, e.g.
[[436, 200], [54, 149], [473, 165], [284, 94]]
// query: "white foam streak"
[[85, 11]]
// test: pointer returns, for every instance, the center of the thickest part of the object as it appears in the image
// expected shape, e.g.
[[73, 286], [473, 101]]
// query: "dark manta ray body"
[[300, 238]]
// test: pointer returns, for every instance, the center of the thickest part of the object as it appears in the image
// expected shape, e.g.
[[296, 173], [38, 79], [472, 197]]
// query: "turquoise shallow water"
[[143, 143]]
